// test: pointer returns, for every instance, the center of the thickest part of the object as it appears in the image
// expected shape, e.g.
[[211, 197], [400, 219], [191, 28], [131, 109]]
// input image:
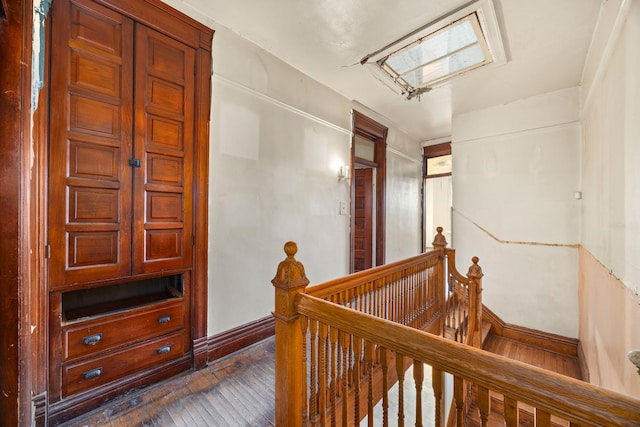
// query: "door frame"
[[377, 133]]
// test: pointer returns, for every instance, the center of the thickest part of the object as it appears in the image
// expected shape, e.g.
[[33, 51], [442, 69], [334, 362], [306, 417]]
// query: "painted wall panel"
[[515, 171], [610, 258]]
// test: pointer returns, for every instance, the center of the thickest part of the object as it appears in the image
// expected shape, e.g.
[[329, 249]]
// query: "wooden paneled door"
[[363, 223], [90, 180], [164, 115], [121, 149]]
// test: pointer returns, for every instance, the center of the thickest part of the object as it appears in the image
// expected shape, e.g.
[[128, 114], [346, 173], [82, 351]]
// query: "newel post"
[[475, 299], [289, 281]]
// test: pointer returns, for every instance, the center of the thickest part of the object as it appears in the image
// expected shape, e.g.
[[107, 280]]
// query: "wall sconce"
[[343, 173]]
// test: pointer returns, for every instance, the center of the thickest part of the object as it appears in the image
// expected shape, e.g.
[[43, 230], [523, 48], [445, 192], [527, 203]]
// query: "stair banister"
[[576, 401], [290, 280]]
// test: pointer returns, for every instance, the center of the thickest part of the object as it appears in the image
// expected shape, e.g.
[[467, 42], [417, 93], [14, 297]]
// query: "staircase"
[[545, 351]]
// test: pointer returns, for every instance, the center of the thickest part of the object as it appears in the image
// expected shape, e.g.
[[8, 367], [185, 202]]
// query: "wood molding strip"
[[227, 342], [552, 342]]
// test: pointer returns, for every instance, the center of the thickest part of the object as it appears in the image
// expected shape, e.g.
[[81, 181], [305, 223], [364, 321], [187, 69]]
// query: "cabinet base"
[[81, 403]]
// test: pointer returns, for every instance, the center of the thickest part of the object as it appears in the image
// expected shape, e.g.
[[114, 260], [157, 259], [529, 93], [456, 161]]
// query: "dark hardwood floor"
[[235, 391]]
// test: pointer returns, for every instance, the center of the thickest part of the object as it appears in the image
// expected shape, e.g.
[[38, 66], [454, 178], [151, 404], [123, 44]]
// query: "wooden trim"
[[199, 283], [200, 348], [437, 150], [16, 342], [225, 343], [377, 133], [548, 341], [582, 364], [160, 16]]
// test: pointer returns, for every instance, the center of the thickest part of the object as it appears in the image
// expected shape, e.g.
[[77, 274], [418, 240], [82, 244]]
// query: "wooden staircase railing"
[[341, 346]]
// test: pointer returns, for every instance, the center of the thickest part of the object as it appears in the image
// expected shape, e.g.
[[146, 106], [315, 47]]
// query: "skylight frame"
[[488, 27], [399, 76]]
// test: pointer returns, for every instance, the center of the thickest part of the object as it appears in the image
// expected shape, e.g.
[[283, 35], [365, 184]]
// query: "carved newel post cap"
[[290, 274], [439, 241], [475, 270]]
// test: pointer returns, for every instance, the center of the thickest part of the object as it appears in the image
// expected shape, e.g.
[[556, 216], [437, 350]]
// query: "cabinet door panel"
[[164, 106], [90, 144]]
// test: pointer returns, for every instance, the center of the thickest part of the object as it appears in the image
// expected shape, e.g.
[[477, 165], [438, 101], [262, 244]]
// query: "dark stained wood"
[[125, 121], [236, 390], [377, 133], [15, 105], [200, 283], [235, 339], [363, 223]]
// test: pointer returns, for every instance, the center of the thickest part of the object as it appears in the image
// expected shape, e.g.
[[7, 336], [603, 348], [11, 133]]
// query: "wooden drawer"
[[81, 376], [95, 335]]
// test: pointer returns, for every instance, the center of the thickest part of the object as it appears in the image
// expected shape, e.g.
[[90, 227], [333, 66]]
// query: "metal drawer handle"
[[94, 373], [164, 319], [92, 339], [164, 350]]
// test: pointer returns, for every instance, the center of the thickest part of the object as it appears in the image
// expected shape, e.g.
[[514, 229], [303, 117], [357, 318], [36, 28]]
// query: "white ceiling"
[[546, 43]]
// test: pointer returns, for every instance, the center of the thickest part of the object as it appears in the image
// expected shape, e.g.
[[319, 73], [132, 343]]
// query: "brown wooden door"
[[120, 186], [363, 221], [164, 126], [90, 144]]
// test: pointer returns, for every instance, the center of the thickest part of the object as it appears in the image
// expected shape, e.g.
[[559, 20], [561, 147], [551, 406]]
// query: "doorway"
[[437, 194], [368, 154]]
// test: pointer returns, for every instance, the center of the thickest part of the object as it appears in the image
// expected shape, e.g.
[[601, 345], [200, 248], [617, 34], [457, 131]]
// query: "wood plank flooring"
[[560, 363], [235, 391]]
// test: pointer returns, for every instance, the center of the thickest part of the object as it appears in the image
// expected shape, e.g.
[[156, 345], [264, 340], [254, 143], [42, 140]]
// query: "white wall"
[[275, 146], [515, 171], [277, 138], [610, 257]]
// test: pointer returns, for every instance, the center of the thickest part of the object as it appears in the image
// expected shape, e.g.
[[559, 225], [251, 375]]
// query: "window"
[[459, 42]]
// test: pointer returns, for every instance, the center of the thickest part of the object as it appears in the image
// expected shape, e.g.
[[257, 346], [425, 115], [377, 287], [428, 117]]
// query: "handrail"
[[568, 398]]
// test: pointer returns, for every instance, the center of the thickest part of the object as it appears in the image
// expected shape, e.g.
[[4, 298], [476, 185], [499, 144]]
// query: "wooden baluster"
[[475, 300], [543, 419], [333, 373], [357, 375], [484, 406], [437, 377], [323, 377], [384, 364], [510, 412], [400, 368], [304, 324], [368, 350], [458, 395], [290, 280], [313, 389], [345, 342], [441, 273], [418, 378]]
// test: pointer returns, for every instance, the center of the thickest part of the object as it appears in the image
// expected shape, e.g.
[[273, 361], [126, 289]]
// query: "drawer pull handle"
[[164, 350], [164, 319], [92, 339], [94, 373]]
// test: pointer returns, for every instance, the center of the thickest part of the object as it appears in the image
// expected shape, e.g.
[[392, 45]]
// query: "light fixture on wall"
[[343, 173]]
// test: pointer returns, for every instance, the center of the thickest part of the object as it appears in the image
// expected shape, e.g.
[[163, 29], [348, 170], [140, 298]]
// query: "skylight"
[[465, 39]]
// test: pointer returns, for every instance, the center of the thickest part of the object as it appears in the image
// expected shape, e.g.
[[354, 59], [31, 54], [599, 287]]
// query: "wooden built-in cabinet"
[[126, 220]]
